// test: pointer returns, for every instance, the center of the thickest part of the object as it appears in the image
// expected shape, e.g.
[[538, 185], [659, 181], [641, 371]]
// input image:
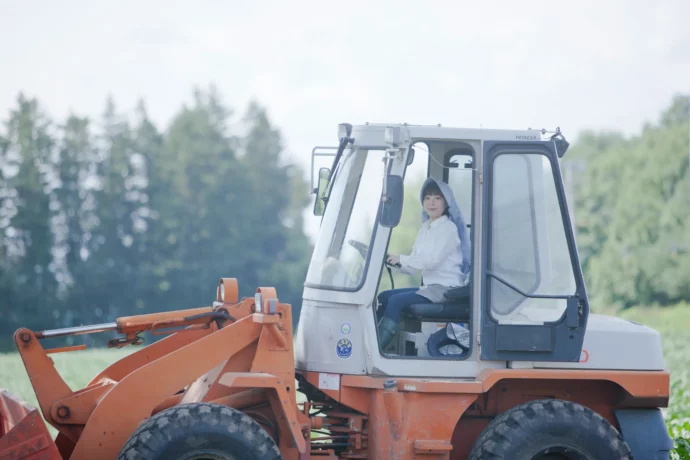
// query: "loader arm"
[[193, 364], [133, 398], [50, 388]]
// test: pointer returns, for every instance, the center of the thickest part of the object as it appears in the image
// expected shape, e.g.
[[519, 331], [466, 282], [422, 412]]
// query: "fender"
[[645, 432]]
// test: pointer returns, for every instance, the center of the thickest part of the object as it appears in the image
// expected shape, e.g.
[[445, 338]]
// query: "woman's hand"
[[393, 259]]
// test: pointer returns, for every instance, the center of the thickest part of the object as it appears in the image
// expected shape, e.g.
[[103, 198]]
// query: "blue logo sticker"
[[344, 348], [345, 328]]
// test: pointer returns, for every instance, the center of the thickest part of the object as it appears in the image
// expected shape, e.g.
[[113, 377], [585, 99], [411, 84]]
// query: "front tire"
[[550, 429], [200, 431]]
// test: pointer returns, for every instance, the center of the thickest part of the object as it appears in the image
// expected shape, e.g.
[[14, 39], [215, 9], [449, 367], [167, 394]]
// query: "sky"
[[610, 65]]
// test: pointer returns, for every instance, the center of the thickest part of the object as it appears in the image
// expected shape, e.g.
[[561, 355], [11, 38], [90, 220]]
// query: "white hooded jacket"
[[441, 250]]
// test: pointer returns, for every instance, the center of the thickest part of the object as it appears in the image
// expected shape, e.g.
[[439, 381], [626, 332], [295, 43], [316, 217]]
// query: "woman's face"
[[434, 205]]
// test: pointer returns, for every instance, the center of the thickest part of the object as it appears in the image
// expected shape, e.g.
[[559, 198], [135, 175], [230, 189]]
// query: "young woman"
[[441, 252]]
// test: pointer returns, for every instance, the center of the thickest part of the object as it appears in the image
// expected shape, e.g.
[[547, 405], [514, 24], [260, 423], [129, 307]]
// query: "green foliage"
[[278, 198], [632, 203], [27, 238], [679, 429], [118, 218]]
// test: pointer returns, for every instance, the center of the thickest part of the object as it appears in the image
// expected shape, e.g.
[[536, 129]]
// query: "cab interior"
[[453, 163]]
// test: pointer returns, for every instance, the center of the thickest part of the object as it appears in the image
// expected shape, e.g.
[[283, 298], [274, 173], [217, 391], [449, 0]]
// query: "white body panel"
[[614, 343], [372, 134], [321, 328]]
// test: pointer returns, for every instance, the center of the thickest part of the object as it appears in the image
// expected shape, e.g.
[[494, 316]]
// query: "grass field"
[[78, 368]]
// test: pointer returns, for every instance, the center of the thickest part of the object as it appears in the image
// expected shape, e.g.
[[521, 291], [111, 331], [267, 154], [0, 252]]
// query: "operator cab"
[[526, 296]]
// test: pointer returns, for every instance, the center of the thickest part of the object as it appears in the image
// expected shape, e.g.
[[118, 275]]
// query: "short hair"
[[432, 189]]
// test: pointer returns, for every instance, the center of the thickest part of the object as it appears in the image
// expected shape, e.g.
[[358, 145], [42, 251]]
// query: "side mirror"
[[560, 142], [392, 201], [410, 156], [320, 203], [561, 146]]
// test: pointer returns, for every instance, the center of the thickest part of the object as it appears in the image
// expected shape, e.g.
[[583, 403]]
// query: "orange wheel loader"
[[512, 366]]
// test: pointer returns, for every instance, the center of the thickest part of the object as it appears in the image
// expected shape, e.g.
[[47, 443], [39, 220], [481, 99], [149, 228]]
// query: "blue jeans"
[[394, 301]]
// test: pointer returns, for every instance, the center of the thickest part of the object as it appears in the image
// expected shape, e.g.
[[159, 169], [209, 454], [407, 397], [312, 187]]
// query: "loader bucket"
[[23, 434]]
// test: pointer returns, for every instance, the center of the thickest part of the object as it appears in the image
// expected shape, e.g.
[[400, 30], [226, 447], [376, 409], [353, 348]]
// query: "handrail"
[[531, 296]]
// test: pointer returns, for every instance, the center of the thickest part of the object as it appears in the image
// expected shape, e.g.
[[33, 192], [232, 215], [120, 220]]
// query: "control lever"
[[398, 265], [390, 272]]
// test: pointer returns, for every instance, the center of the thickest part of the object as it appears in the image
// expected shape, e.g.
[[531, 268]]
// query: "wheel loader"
[[534, 376]]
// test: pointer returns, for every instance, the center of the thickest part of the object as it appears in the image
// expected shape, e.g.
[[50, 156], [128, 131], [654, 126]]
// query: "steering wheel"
[[362, 248]]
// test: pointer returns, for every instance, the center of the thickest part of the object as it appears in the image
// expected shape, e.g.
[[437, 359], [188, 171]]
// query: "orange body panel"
[[118, 370], [441, 418], [280, 400], [404, 424], [638, 384]]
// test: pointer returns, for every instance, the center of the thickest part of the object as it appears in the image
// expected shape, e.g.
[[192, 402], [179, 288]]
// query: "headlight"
[[393, 136], [344, 130]]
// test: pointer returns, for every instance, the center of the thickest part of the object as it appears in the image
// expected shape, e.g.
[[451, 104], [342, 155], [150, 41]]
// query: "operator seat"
[[455, 309]]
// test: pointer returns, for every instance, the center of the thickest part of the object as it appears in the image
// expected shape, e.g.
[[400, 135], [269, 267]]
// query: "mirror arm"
[[341, 148], [391, 154]]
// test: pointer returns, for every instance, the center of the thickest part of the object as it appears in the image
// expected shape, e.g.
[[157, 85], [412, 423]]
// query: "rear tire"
[[550, 429], [200, 431]]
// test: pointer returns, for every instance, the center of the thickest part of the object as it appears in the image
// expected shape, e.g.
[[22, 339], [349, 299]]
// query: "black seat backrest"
[[458, 293], [457, 311]]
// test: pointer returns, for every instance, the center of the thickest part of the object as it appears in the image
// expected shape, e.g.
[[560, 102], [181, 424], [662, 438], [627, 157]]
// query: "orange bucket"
[[23, 434]]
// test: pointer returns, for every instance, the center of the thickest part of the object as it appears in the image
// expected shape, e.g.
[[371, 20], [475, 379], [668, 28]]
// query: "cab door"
[[534, 303]]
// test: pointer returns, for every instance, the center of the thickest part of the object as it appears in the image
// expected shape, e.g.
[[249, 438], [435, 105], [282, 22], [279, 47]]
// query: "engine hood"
[[615, 343]]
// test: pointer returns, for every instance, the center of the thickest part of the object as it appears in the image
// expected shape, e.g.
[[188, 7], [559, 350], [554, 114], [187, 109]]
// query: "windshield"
[[340, 255]]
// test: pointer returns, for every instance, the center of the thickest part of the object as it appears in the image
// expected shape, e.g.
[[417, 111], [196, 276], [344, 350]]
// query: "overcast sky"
[[577, 65]]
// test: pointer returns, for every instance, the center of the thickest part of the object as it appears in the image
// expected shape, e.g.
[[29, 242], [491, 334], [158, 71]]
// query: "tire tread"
[[153, 430], [495, 440]]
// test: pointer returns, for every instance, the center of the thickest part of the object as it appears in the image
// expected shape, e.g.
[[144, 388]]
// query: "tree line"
[[632, 210], [115, 217]]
